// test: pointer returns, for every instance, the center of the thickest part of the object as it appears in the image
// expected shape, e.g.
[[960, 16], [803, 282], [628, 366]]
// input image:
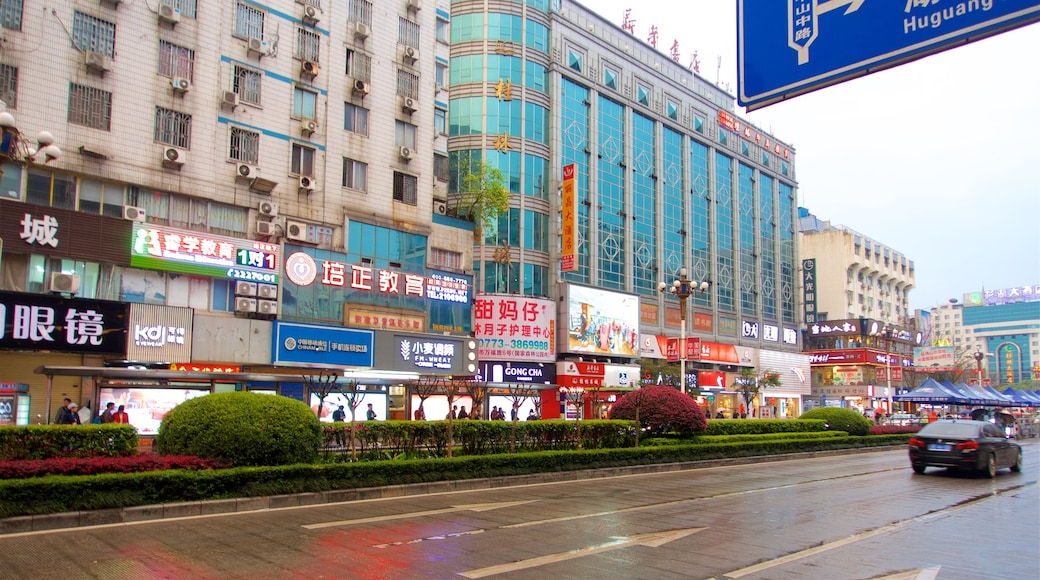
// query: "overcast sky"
[[938, 159]]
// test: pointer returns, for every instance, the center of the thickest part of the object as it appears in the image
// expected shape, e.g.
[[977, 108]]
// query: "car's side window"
[[992, 431]]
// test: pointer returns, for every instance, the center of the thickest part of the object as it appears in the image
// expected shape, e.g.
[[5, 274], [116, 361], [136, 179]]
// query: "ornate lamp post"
[[682, 288], [16, 148], [979, 357], [887, 333]]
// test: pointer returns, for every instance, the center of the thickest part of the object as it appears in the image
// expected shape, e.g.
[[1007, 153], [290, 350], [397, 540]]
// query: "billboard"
[[515, 328], [600, 322], [157, 247], [935, 358]]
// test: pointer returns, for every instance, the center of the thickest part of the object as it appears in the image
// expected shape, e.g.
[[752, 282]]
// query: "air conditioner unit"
[[245, 304], [306, 184], [258, 47], [309, 68], [267, 306], [440, 208], [98, 62], [64, 283], [229, 99], [406, 153], [173, 157], [360, 87], [415, 4], [311, 14], [243, 288], [268, 208], [411, 53], [296, 231], [246, 171], [267, 291], [266, 228], [409, 105], [361, 30], [309, 127], [134, 214], [180, 85], [169, 14]]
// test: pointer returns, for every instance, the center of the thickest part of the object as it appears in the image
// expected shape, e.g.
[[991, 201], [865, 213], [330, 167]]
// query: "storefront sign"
[[620, 376], [790, 335], [53, 323], [303, 270], [648, 313], [159, 333], [840, 327], [693, 349], [428, 354], [379, 320], [727, 326], [653, 346], [40, 229], [517, 372], [516, 328], [205, 368], [711, 379], [734, 124], [749, 329], [702, 322], [770, 333], [580, 374], [727, 354], [837, 357], [809, 289], [201, 254], [330, 346], [69, 234], [569, 213]]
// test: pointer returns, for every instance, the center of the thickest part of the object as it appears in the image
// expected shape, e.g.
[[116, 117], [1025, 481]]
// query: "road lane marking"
[[473, 507], [652, 539]]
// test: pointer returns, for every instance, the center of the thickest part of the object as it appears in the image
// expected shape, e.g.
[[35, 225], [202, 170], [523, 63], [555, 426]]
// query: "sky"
[[938, 159]]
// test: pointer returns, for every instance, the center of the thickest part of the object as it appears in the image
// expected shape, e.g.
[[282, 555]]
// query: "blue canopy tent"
[[988, 399], [973, 398], [934, 393]]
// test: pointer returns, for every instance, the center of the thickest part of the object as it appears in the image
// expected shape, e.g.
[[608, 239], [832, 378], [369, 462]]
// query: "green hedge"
[[71, 493], [50, 441]]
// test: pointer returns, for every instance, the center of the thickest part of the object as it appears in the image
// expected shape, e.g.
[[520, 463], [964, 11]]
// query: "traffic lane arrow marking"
[[473, 507], [825, 7], [652, 539]]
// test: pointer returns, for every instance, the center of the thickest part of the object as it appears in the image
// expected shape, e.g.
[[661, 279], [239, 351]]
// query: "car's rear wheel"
[[918, 468], [991, 466], [1017, 467]]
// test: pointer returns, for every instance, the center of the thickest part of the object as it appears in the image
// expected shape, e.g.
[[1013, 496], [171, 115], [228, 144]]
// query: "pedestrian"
[[933, 417], [61, 417], [120, 416], [454, 413], [419, 414], [462, 413], [339, 415], [72, 418], [106, 415], [531, 416], [370, 414], [514, 412]]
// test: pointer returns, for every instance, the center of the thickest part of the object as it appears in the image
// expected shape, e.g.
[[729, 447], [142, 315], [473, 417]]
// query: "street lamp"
[[887, 333], [683, 287], [979, 356], [16, 148]]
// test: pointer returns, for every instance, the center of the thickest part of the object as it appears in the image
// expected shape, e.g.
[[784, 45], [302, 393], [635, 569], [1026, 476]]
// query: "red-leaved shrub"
[[25, 468], [893, 429], [661, 410]]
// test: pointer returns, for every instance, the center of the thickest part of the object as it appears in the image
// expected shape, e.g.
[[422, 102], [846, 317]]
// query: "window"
[[359, 66], [440, 121], [407, 84], [610, 78], [404, 134], [11, 14], [574, 60], [408, 32], [643, 95], [49, 188], [93, 34], [445, 259], [172, 128], [98, 197], [304, 103], [247, 85], [308, 45], [355, 174], [9, 85], [187, 8], [440, 73], [90, 107], [245, 146], [176, 61], [440, 167], [442, 30], [180, 210], [355, 119], [405, 188], [249, 21], [673, 110], [302, 160]]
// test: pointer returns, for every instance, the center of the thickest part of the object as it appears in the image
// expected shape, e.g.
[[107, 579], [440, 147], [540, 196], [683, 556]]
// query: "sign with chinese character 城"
[[515, 328], [189, 252], [52, 323], [41, 230]]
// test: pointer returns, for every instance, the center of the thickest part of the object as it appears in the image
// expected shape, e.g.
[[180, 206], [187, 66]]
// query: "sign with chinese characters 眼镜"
[[189, 252], [44, 322]]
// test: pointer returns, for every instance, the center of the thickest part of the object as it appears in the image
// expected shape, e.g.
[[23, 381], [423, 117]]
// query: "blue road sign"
[[787, 48]]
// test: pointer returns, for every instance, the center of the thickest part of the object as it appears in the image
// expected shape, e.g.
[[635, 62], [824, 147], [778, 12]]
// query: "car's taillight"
[[915, 442], [967, 446]]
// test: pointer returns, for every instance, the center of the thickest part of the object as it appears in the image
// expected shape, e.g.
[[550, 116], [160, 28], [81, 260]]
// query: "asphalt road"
[[843, 517]]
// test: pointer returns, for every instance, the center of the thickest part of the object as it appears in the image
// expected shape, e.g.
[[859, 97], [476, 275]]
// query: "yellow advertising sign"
[[569, 212]]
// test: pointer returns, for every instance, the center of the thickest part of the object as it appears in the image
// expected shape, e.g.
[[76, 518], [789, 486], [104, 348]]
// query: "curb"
[[134, 514]]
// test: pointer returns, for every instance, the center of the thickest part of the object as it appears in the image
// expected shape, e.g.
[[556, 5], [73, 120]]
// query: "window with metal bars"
[[308, 45], [93, 34], [172, 128], [11, 14], [405, 188], [247, 84], [176, 61], [407, 84], [359, 66], [245, 146], [407, 32], [359, 11], [249, 21], [314, 3], [9, 85], [90, 107]]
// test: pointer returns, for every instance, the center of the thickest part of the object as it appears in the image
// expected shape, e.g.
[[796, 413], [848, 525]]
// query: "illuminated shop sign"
[[205, 368], [426, 353], [321, 345], [733, 124], [159, 333], [516, 328], [202, 254], [838, 327], [44, 322]]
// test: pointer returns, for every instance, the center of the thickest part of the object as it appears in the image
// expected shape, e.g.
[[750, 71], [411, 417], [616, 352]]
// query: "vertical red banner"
[[569, 209]]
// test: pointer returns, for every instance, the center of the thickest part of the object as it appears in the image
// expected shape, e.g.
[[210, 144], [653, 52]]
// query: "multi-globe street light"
[[15, 147], [682, 288]]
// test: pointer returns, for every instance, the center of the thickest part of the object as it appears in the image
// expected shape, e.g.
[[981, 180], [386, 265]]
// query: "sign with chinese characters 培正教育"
[[515, 328], [175, 250], [44, 322]]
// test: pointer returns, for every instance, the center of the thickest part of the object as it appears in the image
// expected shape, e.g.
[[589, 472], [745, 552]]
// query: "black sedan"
[[966, 445]]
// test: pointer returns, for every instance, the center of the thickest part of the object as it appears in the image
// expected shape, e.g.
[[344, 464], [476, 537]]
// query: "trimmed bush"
[[661, 410], [241, 428], [837, 419]]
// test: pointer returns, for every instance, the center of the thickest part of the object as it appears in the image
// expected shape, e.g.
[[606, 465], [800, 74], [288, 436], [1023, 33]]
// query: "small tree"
[[662, 409], [425, 387], [749, 383], [477, 391], [482, 195], [354, 397], [518, 392], [322, 384]]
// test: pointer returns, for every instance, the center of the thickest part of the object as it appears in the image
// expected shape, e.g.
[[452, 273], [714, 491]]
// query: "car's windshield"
[[950, 430]]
